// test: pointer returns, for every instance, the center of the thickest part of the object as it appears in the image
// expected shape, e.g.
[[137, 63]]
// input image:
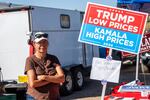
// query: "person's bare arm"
[[58, 78], [33, 81]]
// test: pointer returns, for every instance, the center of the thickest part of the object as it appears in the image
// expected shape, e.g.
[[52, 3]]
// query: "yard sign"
[[112, 27], [103, 69]]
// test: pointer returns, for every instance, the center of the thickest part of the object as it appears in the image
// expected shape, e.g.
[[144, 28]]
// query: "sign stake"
[[104, 83], [137, 67]]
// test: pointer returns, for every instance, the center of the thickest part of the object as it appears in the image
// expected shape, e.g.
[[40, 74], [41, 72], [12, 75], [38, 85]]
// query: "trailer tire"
[[78, 78], [144, 68], [67, 87]]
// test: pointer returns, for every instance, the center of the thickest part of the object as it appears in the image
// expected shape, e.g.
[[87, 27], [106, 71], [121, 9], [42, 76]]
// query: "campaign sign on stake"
[[113, 27], [103, 69]]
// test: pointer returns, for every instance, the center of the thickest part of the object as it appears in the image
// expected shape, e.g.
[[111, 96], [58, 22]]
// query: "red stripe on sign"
[[115, 18]]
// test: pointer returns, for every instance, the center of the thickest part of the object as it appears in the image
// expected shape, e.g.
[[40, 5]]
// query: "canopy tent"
[[133, 1]]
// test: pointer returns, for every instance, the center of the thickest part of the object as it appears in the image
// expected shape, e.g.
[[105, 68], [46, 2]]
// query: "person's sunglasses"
[[41, 35]]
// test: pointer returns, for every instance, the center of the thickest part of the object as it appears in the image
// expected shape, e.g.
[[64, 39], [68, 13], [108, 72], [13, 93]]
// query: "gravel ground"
[[92, 89]]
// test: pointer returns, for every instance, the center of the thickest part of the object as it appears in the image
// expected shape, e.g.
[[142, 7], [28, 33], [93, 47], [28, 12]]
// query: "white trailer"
[[63, 27]]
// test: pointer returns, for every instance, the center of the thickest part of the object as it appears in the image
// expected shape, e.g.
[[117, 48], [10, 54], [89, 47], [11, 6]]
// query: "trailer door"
[[14, 26]]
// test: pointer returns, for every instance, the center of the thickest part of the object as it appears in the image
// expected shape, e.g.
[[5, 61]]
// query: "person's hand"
[[41, 77]]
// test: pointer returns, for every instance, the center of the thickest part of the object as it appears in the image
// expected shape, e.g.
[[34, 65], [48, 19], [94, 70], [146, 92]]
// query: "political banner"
[[137, 88], [103, 69], [145, 46], [112, 27]]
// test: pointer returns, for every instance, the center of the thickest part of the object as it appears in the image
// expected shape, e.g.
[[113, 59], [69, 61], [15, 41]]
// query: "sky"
[[64, 4]]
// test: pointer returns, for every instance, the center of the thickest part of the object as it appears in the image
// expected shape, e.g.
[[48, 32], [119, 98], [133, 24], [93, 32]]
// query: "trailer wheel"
[[144, 68], [67, 86], [78, 78]]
